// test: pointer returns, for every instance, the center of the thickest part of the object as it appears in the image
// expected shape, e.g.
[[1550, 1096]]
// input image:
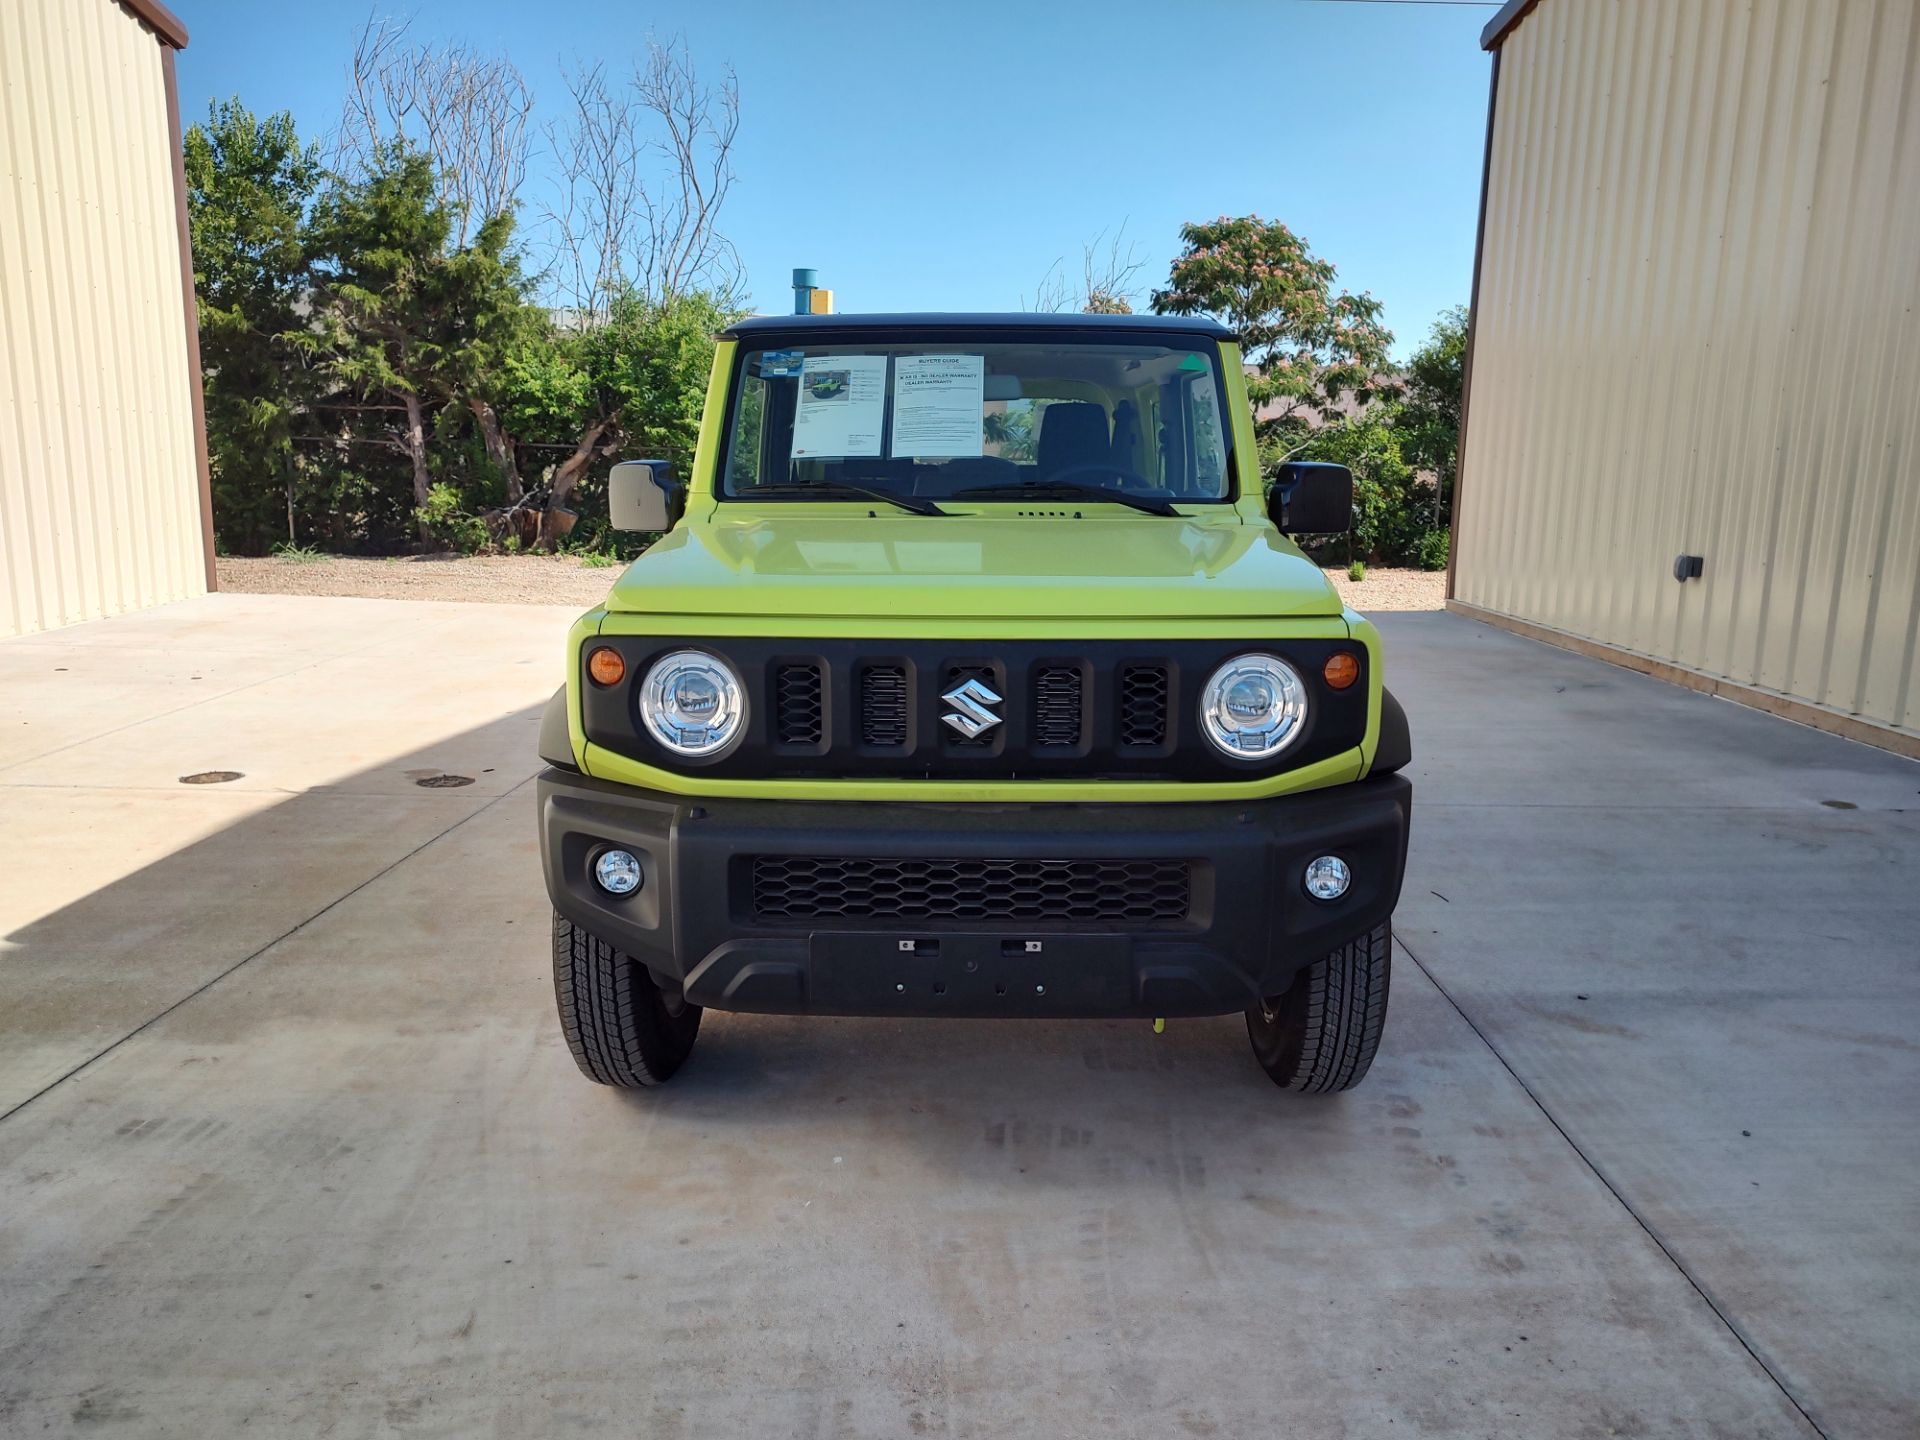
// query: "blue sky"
[[941, 157]]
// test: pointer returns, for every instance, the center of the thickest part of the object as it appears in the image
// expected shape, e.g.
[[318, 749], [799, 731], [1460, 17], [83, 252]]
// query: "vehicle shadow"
[[961, 1095]]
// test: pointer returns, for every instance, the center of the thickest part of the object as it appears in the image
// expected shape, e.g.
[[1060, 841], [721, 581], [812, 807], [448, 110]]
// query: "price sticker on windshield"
[[842, 406]]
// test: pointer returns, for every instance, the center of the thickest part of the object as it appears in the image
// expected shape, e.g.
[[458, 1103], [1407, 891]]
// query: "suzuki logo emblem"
[[971, 714]]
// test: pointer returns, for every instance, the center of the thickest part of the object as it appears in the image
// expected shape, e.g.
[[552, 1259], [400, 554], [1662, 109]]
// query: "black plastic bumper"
[[1248, 925]]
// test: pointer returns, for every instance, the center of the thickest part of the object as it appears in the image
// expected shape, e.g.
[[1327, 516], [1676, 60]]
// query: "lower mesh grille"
[[813, 887]]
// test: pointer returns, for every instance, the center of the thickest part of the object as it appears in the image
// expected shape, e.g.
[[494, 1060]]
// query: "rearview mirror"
[[642, 495], [1312, 497]]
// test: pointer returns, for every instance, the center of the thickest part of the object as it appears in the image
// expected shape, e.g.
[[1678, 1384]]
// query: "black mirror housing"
[[1312, 497]]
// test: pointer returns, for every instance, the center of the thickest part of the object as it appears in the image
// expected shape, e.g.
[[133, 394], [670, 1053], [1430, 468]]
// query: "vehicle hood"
[[996, 567]]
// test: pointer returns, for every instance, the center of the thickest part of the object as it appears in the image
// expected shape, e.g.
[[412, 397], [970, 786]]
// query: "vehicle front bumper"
[[1249, 924]]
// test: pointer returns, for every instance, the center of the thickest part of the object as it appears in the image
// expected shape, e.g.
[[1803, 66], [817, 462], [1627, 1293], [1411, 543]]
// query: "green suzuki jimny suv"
[[974, 674]]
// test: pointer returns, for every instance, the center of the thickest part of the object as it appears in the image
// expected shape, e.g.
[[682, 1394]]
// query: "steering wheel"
[[1101, 467]]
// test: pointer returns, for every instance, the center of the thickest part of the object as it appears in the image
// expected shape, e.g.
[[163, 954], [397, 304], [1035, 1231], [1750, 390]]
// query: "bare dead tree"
[[644, 166], [1052, 295], [1108, 283], [684, 244], [363, 116], [598, 152], [468, 110], [1110, 279]]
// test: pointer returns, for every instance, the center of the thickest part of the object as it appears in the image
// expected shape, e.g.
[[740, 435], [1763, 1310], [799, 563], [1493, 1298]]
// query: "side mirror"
[[643, 495], [1312, 497]]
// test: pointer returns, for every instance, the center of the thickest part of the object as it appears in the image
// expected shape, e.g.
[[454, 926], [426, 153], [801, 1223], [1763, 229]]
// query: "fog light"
[[1328, 877], [618, 873]]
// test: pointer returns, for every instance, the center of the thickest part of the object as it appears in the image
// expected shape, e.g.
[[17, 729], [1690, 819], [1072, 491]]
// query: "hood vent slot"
[[883, 705], [1057, 706]]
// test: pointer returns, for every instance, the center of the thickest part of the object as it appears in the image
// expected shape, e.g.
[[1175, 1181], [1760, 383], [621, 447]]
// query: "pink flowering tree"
[[1315, 352]]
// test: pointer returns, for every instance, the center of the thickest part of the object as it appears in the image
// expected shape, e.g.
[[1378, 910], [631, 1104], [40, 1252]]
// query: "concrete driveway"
[[289, 1141]]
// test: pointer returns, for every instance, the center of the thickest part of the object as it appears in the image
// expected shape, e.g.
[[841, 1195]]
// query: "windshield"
[[980, 419]]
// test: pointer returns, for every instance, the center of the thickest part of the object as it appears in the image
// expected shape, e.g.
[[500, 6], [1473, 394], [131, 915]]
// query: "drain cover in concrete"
[[443, 782], [210, 777]]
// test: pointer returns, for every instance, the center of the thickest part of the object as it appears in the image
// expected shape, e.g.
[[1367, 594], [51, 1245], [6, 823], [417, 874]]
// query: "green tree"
[[249, 183], [1309, 345], [406, 323], [375, 244], [632, 382], [1390, 499], [492, 326], [1428, 423]]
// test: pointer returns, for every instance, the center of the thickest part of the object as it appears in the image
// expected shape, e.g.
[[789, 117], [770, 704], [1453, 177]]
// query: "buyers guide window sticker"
[[843, 405], [937, 409]]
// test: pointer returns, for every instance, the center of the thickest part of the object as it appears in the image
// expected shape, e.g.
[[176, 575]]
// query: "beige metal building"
[[1696, 332], [104, 500]]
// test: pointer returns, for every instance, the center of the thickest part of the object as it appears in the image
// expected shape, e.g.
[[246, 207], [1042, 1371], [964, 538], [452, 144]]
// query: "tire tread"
[[613, 1018], [1341, 1011]]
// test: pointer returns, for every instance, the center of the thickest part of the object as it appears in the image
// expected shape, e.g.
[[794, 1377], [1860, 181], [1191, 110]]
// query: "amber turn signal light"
[[606, 667], [1341, 670]]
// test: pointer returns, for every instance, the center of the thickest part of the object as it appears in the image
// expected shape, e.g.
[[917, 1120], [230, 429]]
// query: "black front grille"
[[1094, 709], [796, 703], [1056, 706], [819, 887], [1143, 705], [883, 705]]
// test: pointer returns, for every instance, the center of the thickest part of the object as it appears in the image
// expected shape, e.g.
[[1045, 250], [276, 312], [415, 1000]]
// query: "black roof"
[[1015, 320]]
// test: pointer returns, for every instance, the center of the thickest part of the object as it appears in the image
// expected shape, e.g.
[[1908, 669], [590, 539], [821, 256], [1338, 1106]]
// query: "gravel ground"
[[563, 580], [1393, 590], [526, 579]]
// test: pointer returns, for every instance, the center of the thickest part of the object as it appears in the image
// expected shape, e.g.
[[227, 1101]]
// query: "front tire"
[[1320, 1036], [622, 1028]]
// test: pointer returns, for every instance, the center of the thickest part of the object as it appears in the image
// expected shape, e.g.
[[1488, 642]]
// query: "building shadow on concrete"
[[79, 980]]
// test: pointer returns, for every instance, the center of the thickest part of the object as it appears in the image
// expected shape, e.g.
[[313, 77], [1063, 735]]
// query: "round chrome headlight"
[[1254, 706], [693, 704]]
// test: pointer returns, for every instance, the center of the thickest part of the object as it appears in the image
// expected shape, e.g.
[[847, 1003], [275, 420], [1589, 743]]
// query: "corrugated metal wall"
[[1699, 331], [99, 485]]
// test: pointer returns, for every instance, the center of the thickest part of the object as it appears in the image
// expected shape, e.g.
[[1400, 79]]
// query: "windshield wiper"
[[1067, 489], [836, 489]]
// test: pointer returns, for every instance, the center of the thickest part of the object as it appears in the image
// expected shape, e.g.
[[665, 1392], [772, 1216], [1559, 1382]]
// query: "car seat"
[[1072, 433]]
